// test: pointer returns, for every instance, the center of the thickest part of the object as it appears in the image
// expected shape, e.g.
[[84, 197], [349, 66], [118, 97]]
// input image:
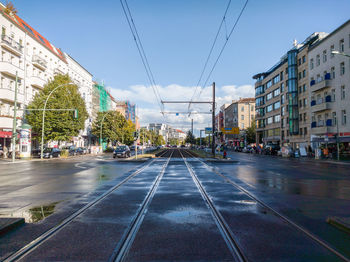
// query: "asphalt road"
[[177, 224]]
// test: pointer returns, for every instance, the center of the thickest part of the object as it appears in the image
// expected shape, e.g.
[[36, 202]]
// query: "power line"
[[210, 52], [222, 49], [142, 53]]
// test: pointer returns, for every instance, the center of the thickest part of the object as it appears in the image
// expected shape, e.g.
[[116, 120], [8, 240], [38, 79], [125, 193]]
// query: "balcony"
[[58, 71], [320, 127], [37, 82], [10, 69], [11, 45], [321, 104], [314, 87], [8, 94], [39, 62]]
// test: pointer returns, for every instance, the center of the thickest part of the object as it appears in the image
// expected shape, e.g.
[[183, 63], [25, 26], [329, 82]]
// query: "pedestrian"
[[325, 152], [5, 152], [225, 154]]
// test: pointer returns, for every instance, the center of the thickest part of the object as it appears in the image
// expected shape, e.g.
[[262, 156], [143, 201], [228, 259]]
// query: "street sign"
[[208, 130], [230, 130]]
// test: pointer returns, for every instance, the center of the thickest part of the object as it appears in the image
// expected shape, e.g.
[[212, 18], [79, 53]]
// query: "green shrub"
[[64, 153], [109, 150]]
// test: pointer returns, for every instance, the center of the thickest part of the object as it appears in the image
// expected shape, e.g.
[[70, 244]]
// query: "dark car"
[[271, 149], [36, 152], [51, 152], [132, 148], [122, 151], [80, 151], [72, 150]]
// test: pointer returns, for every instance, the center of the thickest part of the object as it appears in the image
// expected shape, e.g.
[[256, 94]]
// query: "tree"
[[114, 127], [174, 141], [190, 138], [59, 125], [10, 8], [250, 133]]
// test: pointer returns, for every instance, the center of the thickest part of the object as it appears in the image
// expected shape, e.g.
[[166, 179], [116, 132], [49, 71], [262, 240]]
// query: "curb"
[[340, 223], [8, 224]]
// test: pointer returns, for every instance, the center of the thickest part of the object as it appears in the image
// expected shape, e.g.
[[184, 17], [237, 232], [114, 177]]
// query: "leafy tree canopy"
[[114, 127], [251, 133], [190, 138], [151, 136], [59, 125]]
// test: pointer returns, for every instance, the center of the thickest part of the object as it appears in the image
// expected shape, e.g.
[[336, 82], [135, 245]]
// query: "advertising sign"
[[208, 130]]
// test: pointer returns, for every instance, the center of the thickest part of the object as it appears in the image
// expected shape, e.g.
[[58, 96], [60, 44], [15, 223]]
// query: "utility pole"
[[213, 122], [192, 126], [338, 153], [14, 127]]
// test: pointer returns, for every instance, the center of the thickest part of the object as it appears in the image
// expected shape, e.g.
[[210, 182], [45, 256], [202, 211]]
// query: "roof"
[[32, 32], [245, 100], [329, 35]]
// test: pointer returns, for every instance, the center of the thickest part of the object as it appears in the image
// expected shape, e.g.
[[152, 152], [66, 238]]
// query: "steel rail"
[[122, 249], [48, 234], [278, 214], [219, 220]]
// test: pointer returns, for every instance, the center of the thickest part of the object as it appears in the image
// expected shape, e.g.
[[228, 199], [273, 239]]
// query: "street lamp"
[[43, 123], [335, 52]]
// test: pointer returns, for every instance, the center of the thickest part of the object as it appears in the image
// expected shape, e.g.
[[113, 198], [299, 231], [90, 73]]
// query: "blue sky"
[[177, 36]]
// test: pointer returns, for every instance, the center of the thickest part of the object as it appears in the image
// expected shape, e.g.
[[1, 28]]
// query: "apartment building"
[[282, 98], [241, 114], [127, 109], [35, 60], [329, 76]]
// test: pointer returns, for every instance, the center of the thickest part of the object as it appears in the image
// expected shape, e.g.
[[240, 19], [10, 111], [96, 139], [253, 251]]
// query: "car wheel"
[[113, 156], [51, 156]]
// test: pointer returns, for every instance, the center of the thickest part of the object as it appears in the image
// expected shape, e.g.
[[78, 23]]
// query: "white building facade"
[[329, 76], [35, 60]]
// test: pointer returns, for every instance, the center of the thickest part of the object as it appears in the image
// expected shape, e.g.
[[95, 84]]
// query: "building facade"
[[127, 109], [329, 77], [241, 114], [35, 60], [282, 98]]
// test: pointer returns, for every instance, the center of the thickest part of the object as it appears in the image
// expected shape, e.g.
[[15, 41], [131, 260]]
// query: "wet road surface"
[[177, 223]]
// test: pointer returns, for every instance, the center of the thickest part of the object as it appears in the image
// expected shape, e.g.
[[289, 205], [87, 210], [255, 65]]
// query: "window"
[[283, 111], [300, 89], [3, 31], [305, 102], [343, 117], [268, 96], [281, 76], [299, 61], [242, 117], [342, 92], [305, 131], [269, 120], [268, 84], [304, 73], [300, 103], [269, 108], [276, 105], [333, 95], [299, 75], [304, 88], [318, 60], [342, 68], [277, 118], [242, 125], [324, 56], [28, 28], [300, 131], [252, 108], [332, 49], [304, 117], [282, 99], [334, 118], [333, 72], [341, 45], [304, 59], [311, 63], [282, 87], [276, 79], [300, 117], [242, 109], [276, 92]]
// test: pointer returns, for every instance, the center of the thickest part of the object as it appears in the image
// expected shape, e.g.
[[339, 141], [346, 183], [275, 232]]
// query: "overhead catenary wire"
[[210, 52], [141, 51], [223, 47]]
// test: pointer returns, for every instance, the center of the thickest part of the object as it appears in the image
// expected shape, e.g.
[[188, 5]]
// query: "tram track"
[[126, 241], [272, 210], [27, 249], [224, 228]]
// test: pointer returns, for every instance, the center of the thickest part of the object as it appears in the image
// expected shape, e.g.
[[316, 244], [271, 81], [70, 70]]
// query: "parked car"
[[132, 148], [271, 149], [72, 150], [51, 152], [122, 151], [1, 151], [248, 149], [80, 151], [36, 152]]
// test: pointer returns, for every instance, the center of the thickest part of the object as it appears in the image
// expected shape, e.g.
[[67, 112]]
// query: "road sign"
[[230, 130], [208, 130]]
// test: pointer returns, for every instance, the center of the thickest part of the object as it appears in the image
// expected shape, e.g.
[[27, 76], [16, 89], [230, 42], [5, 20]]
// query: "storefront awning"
[[5, 134]]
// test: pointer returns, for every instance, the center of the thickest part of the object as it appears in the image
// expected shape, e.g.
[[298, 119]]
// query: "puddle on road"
[[34, 214], [248, 202], [185, 216]]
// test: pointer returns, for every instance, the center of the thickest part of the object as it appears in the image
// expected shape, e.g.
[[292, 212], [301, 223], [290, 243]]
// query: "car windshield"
[[121, 148], [47, 150]]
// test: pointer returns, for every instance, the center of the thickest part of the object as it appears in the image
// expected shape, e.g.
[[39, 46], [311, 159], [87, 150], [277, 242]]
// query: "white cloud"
[[149, 110]]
